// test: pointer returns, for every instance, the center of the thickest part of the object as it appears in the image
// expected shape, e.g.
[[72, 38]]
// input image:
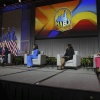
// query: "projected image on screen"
[[66, 19]]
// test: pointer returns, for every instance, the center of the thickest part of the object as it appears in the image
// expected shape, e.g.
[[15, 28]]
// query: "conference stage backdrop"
[[10, 40], [66, 19]]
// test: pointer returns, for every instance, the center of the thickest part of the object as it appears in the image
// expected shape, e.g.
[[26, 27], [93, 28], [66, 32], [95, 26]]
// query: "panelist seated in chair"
[[34, 55], [3, 54], [67, 56]]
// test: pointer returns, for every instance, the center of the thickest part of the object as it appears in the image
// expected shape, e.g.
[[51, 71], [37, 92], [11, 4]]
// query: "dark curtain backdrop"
[[19, 91], [32, 23], [0, 22], [98, 21], [27, 32], [25, 29]]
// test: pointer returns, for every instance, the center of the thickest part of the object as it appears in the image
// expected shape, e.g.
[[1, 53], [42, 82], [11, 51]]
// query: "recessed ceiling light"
[[4, 4], [19, 0]]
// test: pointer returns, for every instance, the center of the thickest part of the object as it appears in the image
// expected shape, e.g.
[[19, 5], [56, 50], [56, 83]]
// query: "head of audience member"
[[35, 46]]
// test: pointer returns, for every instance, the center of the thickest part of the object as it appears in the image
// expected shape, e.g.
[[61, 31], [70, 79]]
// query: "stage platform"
[[47, 83]]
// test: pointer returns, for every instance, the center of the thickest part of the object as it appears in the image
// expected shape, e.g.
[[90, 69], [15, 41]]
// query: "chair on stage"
[[96, 64], [96, 61], [41, 60], [9, 60], [74, 63]]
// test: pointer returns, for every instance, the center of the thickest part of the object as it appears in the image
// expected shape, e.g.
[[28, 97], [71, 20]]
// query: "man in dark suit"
[[4, 53]]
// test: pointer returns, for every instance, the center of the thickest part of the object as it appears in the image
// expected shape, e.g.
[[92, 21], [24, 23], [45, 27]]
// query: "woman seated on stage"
[[32, 56], [67, 56]]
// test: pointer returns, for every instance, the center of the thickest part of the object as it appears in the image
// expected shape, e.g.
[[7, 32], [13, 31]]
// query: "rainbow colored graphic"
[[83, 18]]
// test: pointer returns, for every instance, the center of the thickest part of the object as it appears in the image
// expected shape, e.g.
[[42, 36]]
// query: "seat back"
[[38, 53], [71, 61], [76, 52], [42, 52], [94, 64], [76, 61]]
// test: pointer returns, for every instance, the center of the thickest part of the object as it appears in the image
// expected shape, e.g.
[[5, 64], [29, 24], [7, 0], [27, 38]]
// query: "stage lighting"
[[4, 5], [19, 0]]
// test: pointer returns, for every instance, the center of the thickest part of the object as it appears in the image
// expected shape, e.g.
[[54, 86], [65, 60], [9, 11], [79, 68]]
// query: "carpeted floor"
[[81, 79]]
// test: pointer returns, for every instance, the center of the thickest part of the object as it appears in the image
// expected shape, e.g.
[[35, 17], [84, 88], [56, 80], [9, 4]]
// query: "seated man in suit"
[[3, 54]]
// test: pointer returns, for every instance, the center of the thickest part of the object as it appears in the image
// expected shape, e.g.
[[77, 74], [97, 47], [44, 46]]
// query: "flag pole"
[[8, 28], [2, 33], [2, 30]]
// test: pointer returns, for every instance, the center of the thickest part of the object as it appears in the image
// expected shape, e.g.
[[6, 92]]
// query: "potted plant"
[[88, 62], [83, 62]]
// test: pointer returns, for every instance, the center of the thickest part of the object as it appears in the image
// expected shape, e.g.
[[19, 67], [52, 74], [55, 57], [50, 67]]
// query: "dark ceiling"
[[10, 2], [37, 2]]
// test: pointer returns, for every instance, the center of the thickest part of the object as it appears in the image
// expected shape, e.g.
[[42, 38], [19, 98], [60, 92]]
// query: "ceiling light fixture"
[[4, 5], [19, 0]]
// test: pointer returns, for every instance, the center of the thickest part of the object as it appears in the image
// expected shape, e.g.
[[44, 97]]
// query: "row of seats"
[[75, 62]]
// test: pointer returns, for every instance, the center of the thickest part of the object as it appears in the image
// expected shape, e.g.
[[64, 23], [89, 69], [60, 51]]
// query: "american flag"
[[10, 40]]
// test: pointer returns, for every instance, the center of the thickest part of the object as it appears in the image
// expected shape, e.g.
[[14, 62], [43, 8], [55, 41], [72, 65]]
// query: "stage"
[[47, 83]]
